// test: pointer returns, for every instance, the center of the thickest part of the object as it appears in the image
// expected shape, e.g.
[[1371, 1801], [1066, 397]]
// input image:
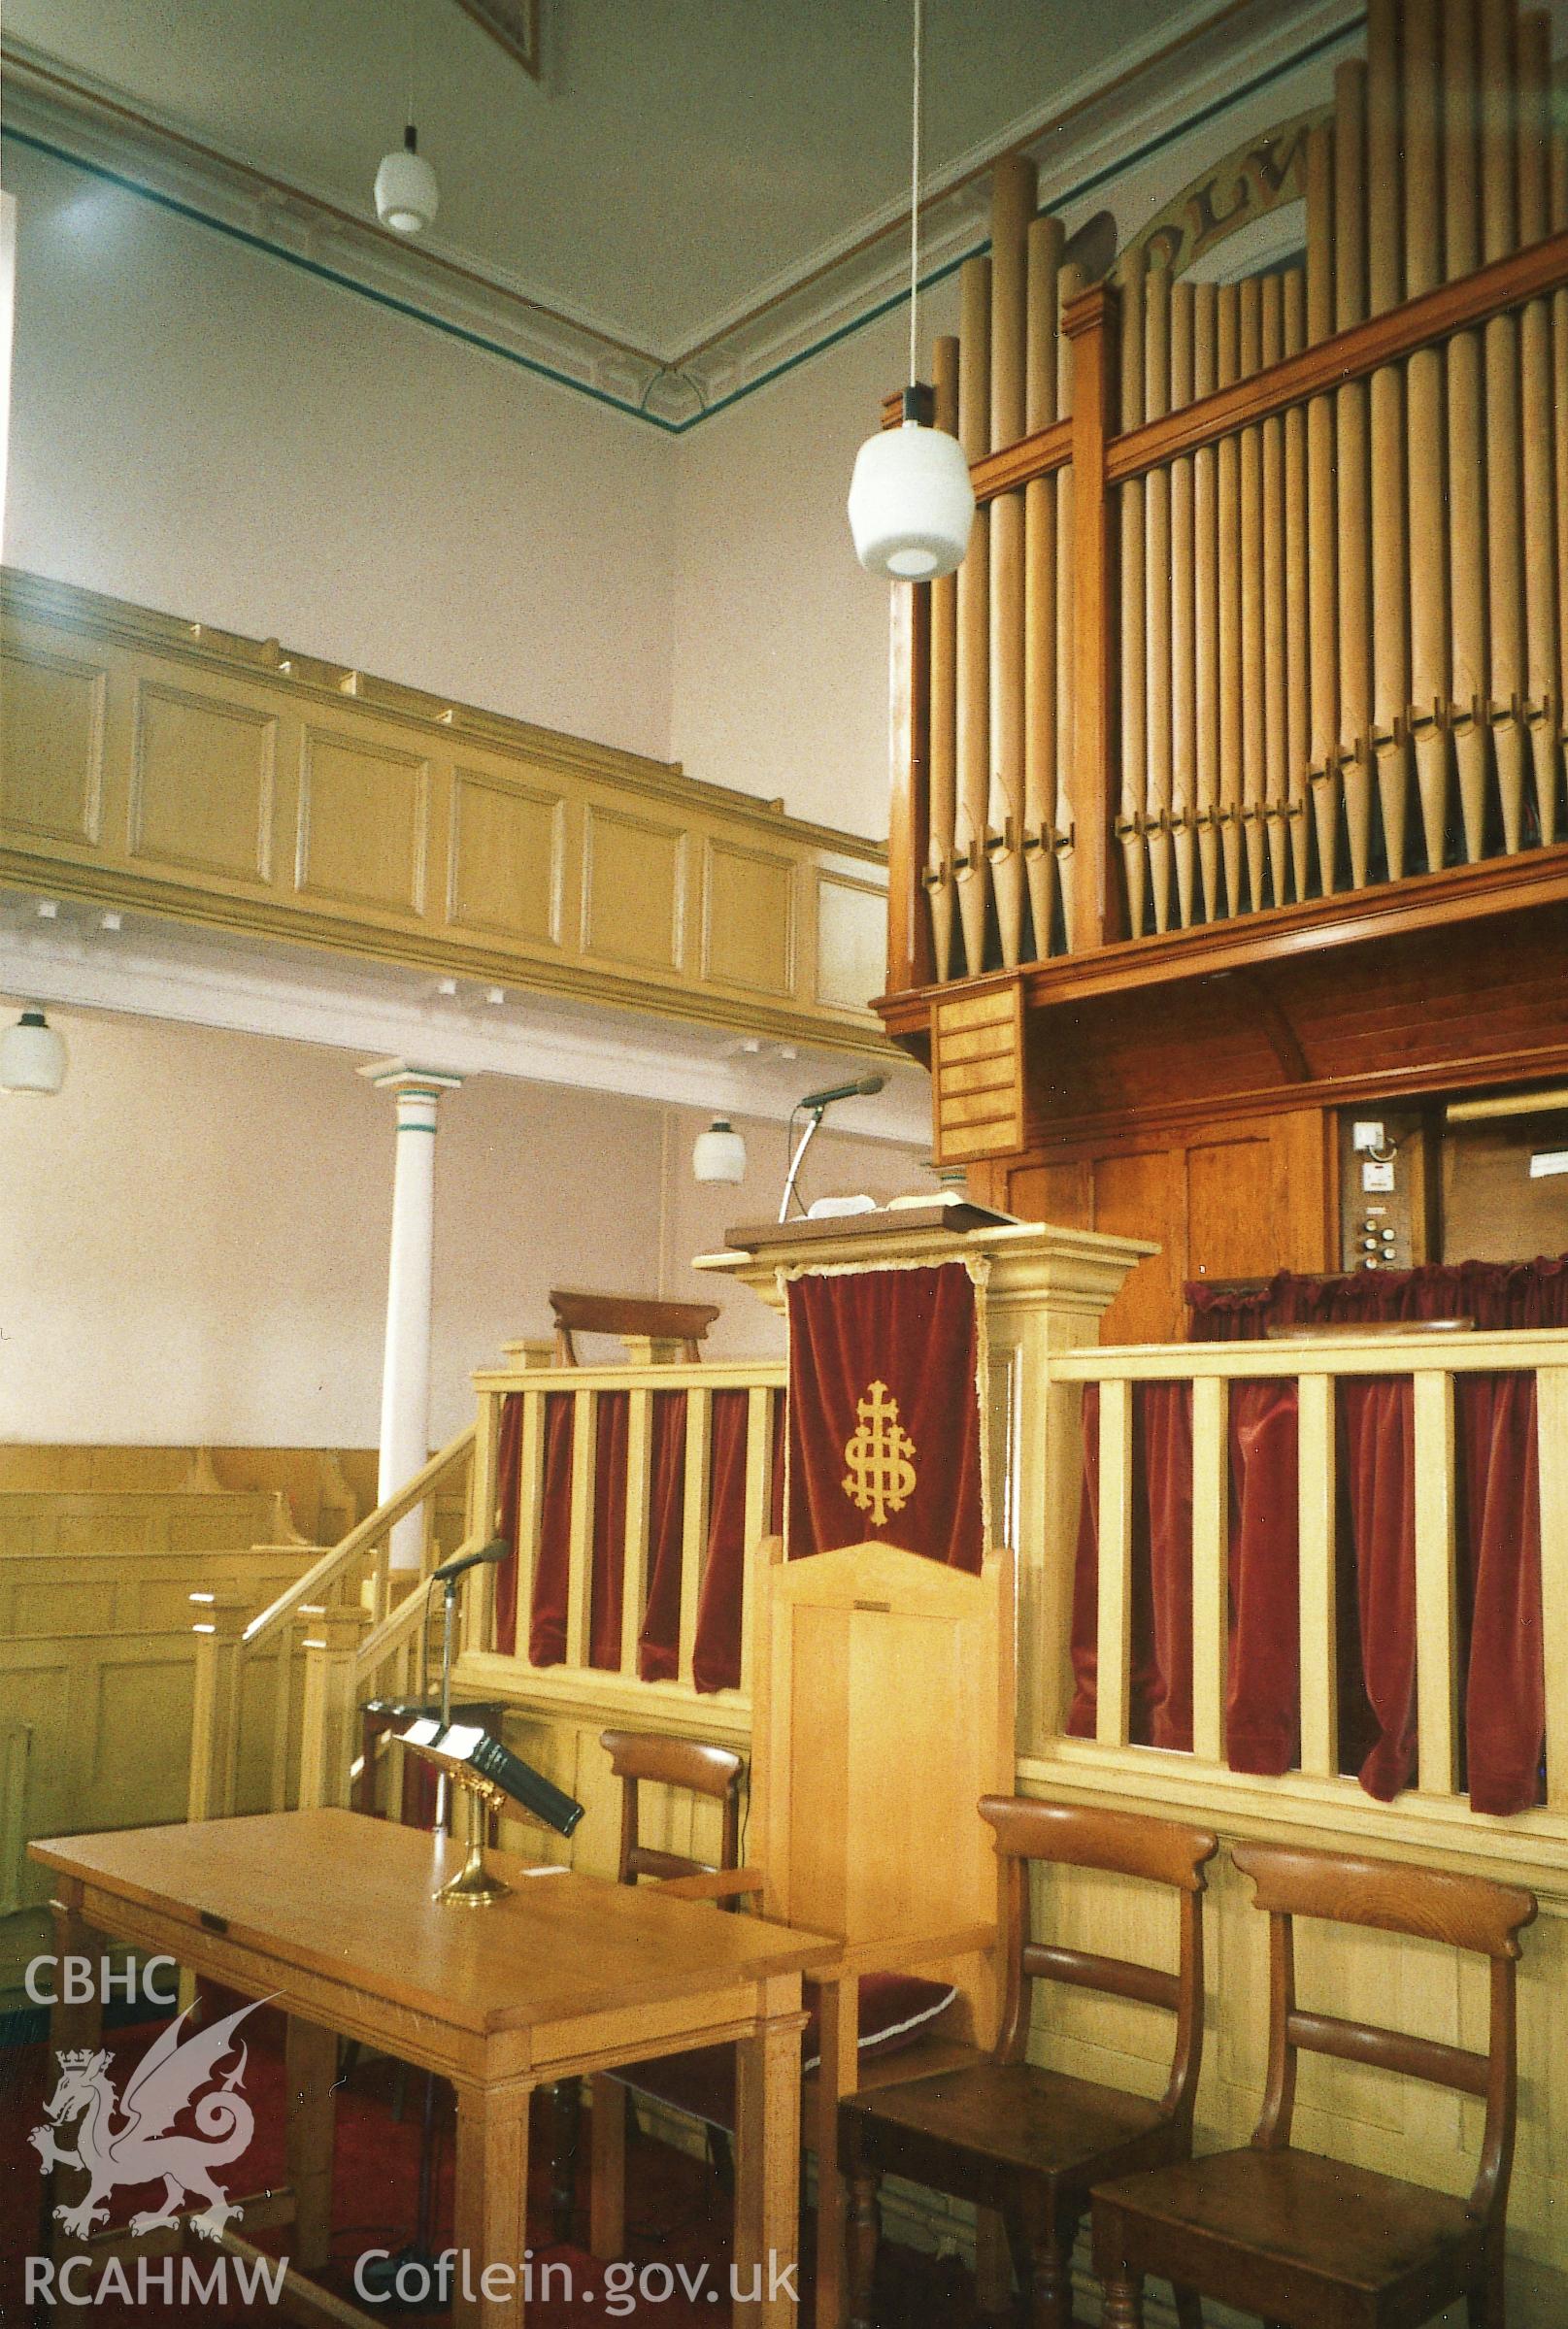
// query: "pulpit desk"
[[329, 1915]]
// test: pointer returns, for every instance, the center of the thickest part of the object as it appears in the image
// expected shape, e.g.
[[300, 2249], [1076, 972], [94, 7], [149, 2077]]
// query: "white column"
[[405, 1432]]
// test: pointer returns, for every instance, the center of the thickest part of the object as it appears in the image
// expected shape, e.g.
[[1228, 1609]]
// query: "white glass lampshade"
[[719, 1154], [32, 1056], [407, 195], [910, 503]]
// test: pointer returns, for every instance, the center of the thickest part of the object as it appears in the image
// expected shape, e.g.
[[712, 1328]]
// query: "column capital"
[[403, 1075]]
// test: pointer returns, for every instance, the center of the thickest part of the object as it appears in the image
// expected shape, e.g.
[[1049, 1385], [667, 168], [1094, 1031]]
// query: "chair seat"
[[1346, 2228], [1009, 2115]]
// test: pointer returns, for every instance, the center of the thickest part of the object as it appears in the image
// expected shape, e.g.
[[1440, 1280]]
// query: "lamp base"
[[473, 1886]]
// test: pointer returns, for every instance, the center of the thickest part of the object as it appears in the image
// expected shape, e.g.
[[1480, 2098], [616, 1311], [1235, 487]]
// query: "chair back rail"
[[1467, 1913], [689, 1763], [1118, 1844]]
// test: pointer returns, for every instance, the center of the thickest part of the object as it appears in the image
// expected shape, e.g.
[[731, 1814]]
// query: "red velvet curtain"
[[546, 1618], [658, 1644], [1498, 1527], [509, 1450], [884, 1412], [716, 1663]]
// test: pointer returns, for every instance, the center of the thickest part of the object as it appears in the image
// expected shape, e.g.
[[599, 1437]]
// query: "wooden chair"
[[882, 1712], [1319, 2242], [1026, 2141], [701, 1769]]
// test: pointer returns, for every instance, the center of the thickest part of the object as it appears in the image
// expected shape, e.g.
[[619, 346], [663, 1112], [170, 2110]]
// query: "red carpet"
[[665, 2279]]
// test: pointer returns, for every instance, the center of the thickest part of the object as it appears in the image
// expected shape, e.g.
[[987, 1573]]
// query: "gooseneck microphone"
[[866, 1084], [497, 1549]]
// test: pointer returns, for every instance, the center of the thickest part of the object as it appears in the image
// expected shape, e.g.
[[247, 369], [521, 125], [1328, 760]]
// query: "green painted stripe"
[[1322, 46]]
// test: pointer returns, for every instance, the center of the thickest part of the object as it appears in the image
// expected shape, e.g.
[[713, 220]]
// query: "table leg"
[[310, 2078], [72, 2028], [492, 2231], [767, 2192], [836, 2076]]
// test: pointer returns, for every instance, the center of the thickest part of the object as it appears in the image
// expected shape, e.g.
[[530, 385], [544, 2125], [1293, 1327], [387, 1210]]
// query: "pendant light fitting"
[[407, 194], [910, 503]]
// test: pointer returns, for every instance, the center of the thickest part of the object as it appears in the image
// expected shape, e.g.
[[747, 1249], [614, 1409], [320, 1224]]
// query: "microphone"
[[496, 1550], [866, 1084]]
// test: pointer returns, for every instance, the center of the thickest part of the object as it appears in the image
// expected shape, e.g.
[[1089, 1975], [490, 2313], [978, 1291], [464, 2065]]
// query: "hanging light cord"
[[412, 61], [914, 202]]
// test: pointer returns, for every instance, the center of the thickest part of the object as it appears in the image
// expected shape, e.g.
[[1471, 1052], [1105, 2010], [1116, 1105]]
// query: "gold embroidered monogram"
[[881, 1475]]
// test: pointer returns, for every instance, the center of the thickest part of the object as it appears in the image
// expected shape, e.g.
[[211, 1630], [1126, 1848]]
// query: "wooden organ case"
[[1228, 769]]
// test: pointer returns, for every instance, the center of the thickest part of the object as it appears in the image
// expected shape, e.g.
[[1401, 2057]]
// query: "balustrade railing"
[[347, 1626], [1158, 1612]]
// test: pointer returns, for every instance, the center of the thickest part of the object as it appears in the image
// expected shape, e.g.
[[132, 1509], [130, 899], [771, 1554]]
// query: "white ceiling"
[[676, 156], [679, 164]]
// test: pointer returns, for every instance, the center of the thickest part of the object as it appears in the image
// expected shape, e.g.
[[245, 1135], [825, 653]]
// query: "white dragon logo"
[[141, 2148]]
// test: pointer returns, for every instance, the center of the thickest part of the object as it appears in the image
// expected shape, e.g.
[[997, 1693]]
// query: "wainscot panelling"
[[97, 1665], [1351, 2112]]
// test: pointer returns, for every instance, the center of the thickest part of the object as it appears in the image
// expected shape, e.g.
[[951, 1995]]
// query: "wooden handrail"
[[332, 1565], [399, 1622], [1519, 1349]]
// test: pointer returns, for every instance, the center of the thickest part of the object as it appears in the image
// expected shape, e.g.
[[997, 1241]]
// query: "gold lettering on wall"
[[1259, 177]]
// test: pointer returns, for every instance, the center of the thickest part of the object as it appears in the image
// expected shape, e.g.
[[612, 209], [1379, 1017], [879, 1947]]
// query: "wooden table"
[[330, 1913]]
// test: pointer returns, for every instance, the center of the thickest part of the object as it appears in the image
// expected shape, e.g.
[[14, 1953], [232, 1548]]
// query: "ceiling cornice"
[[1214, 60]]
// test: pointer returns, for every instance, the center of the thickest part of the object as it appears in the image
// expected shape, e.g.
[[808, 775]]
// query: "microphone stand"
[[379, 2279], [795, 1163]]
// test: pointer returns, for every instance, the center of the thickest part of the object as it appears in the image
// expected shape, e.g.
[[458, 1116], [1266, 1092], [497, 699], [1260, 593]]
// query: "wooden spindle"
[[1205, 607], [1113, 1658], [1042, 406], [1013, 190], [1436, 1582], [1184, 675], [1316, 1510], [530, 1509], [1351, 432], [1134, 632], [694, 1508], [1157, 597], [1466, 426], [1552, 1451], [1211, 1567], [942, 684], [639, 1479], [971, 868], [580, 1528]]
